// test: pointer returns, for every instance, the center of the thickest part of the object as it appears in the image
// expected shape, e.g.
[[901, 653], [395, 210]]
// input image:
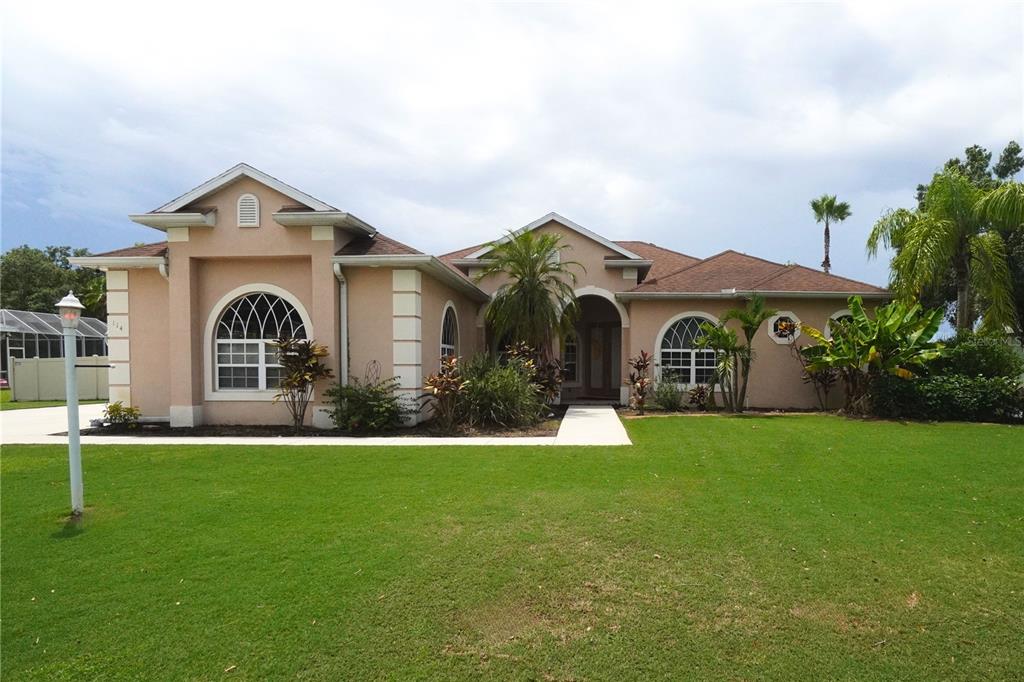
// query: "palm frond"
[[538, 300], [889, 230], [929, 244], [990, 277], [1003, 207]]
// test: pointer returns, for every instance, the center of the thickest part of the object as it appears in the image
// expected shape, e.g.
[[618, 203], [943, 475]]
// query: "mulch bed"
[[548, 427]]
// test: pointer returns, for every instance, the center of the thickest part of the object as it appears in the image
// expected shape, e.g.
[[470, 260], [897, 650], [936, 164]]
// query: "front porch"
[[592, 355]]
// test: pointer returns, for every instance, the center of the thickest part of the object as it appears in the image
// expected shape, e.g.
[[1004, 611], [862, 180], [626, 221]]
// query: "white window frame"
[[238, 210], [783, 340], [210, 392], [264, 347], [693, 352], [454, 347]]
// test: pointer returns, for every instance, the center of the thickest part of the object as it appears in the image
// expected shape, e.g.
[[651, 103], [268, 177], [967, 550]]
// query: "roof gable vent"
[[248, 211]]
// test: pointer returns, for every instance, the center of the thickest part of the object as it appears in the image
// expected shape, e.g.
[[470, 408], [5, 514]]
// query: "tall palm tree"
[[537, 304], [954, 230], [828, 210]]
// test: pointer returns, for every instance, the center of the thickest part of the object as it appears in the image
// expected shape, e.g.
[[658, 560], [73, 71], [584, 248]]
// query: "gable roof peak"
[[565, 222], [234, 173]]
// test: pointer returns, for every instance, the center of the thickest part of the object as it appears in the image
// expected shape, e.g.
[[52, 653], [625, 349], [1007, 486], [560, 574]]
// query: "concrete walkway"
[[582, 425]]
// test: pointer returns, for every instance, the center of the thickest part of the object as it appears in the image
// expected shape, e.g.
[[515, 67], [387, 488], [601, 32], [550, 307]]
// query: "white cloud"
[[444, 124]]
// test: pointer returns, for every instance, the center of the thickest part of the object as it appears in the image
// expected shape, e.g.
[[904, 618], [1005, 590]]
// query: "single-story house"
[[247, 258]]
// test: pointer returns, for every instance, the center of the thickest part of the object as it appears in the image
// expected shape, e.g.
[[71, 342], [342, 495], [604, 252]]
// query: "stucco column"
[[626, 335], [184, 330], [326, 321], [118, 345], [407, 344]]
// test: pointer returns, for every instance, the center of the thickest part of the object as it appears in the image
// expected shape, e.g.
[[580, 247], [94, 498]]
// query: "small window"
[[570, 358], [784, 328], [248, 211], [839, 319], [449, 333]]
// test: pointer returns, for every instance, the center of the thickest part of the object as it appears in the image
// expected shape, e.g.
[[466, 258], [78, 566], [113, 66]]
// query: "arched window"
[[449, 333], [837, 319], [681, 361], [248, 211], [246, 330], [570, 357]]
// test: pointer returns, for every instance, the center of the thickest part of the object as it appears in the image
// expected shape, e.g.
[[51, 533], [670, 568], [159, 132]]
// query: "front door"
[[603, 347]]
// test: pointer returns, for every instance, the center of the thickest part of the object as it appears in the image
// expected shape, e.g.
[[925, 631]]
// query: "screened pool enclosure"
[[25, 334]]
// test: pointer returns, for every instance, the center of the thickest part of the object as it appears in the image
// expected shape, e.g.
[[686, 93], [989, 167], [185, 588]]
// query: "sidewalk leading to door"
[[582, 425], [592, 425]]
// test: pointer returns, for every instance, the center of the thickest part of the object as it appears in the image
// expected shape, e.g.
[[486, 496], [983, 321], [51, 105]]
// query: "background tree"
[[537, 305], [35, 279], [828, 210], [976, 167], [951, 232]]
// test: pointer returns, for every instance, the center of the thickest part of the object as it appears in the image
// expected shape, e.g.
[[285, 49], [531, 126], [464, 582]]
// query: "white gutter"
[[332, 218], [162, 221], [732, 293], [627, 263], [119, 262], [342, 323], [429, 264]]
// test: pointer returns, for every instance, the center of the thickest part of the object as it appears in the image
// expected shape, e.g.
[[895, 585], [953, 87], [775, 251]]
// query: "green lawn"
[[732, 548], [7, 404]]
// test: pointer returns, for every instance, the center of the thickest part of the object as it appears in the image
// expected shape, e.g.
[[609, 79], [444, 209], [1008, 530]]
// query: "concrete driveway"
[[35, 425]]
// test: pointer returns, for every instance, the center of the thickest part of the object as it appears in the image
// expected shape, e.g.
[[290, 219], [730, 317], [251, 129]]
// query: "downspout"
[[342, 323]]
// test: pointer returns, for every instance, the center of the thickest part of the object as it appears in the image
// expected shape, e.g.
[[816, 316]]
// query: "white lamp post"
[[70, 311]]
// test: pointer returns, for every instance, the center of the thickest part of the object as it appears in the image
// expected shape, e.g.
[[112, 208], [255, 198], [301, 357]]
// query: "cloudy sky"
[[445, 124]]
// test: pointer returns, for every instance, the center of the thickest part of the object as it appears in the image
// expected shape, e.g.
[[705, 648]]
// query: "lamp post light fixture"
[[70, 312]]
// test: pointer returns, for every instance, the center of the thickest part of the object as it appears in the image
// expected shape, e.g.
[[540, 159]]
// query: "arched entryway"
[[592, 355]]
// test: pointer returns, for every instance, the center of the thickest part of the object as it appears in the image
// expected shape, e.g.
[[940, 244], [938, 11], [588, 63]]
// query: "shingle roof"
[[734, 270], [378, 245], [461, 253], [665, 260], [143, 250]]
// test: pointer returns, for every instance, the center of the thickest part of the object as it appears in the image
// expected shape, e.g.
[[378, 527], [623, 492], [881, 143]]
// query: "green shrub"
[[979, 355], [121, 417], [953, 397], [502, 395], [444, 394], [366, 406], [702, 397], [668, 397]]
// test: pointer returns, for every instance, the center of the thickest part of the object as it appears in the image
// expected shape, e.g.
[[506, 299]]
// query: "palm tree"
[[734, 360], [750, 317], [827, 210], [537, 304], [954, 230]]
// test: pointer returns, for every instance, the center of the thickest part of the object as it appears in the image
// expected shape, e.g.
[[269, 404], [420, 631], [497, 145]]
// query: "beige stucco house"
[[247, 257]]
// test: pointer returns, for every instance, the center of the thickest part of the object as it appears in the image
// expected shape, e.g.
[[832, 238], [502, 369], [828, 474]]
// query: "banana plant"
[[897, 340]]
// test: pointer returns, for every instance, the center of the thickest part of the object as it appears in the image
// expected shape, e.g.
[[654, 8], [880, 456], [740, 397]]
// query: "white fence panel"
[[43, 378]]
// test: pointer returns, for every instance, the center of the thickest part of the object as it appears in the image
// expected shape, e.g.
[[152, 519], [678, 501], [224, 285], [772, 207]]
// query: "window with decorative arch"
[[246, 357], [248, 211], [836, 320], [681, 361], [449, 333]]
